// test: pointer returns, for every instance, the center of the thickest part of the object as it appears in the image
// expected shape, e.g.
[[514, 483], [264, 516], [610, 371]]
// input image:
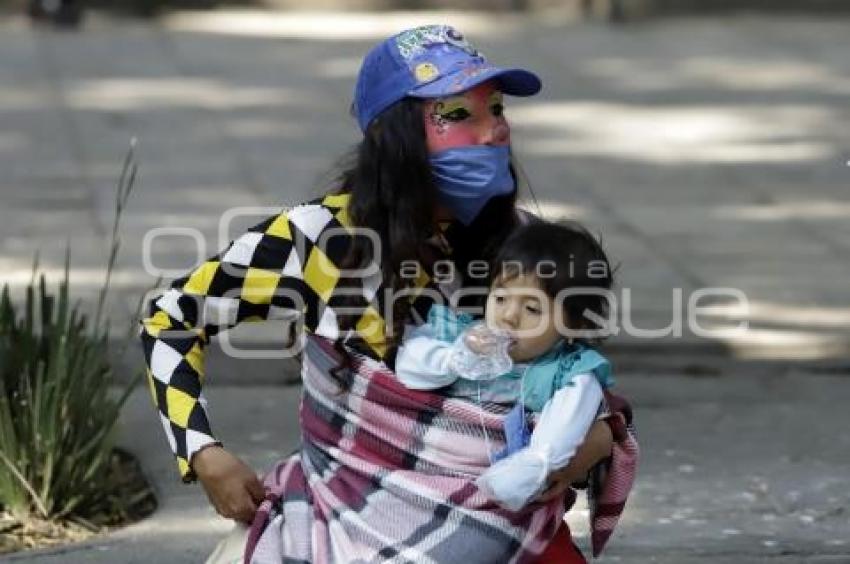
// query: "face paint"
[[446, 112], [474, 117]]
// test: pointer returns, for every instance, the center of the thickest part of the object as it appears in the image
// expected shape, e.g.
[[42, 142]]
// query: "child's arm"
[[596, 448], [422, 361], [425, 362], [566, 419], [564, 422]]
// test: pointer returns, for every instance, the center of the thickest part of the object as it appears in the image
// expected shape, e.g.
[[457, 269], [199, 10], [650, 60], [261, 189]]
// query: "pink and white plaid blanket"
[[386, 474], [611, 483]]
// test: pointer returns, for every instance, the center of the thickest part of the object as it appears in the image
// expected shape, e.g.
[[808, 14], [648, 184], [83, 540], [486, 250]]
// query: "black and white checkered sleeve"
[[259, 276]]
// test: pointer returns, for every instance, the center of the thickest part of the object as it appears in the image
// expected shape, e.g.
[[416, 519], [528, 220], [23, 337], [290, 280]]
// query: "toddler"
[[545, 310]]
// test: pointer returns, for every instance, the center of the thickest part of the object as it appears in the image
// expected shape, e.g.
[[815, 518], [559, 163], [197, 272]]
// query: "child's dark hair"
[[560, 256]]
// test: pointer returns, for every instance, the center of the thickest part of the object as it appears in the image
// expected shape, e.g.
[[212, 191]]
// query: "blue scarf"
[[468, 177]]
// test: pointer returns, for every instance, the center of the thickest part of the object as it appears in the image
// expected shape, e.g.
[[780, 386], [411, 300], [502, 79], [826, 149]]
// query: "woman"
[[383, 472]]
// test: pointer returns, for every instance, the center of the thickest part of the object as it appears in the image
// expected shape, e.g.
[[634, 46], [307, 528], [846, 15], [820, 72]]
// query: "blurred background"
[[706, 140]]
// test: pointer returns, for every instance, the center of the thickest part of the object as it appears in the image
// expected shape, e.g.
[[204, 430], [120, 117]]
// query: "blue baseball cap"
[[428, 62]]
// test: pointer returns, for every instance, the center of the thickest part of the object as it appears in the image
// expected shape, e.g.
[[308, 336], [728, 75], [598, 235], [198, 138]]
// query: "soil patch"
[[129, 499]]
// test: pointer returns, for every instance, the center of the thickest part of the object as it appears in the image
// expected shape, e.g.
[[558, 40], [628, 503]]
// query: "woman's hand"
[[234, 490], [596, 447]]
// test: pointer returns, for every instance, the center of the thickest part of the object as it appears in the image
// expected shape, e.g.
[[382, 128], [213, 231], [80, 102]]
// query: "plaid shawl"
[[387, 474], [611, 483]]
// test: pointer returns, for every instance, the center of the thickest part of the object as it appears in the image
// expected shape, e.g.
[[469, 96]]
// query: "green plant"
[[57, 414]]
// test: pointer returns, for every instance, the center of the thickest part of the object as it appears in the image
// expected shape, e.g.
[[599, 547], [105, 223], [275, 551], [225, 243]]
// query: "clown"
[[383, 472]]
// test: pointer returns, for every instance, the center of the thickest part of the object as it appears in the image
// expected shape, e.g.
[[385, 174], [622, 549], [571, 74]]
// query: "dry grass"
[[130, 499]]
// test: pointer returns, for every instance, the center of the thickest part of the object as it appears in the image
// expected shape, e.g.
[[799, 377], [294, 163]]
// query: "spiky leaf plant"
[[58, 414]]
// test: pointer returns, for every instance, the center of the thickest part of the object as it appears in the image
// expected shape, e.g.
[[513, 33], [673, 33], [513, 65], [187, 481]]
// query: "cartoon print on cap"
[[413, 42], [456, 38]]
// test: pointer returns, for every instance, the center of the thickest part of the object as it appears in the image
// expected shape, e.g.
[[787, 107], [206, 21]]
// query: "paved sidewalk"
[[740, 469], [708, 152]]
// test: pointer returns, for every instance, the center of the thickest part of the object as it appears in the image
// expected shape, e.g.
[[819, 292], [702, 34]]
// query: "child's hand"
[[482, 340], [480, 354], [234, 490]]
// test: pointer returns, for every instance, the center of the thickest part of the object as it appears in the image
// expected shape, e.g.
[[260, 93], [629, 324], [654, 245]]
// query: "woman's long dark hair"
[[388, 175]]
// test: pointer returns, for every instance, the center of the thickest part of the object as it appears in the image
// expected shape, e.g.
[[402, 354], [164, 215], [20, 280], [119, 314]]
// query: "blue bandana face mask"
[[467, 177]]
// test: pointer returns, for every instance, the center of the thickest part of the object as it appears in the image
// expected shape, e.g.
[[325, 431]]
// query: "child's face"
[[520, 306]]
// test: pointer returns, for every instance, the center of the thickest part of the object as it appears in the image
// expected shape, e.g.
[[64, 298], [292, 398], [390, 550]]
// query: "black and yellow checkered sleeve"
[[270, 271]]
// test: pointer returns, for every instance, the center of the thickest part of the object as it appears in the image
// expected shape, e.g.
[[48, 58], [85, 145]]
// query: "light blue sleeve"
[[422, 360]]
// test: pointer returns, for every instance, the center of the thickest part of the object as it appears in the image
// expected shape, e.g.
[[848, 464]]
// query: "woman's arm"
[[239, 284], [261, 275], [232, 487]]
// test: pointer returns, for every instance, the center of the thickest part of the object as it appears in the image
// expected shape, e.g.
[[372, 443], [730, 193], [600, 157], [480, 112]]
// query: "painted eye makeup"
[[451, 110], [497, 109], [459, 114]]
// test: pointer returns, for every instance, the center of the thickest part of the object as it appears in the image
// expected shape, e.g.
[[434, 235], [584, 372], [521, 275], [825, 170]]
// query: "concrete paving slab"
[[682, 152], [706, 151], [734, 468]]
